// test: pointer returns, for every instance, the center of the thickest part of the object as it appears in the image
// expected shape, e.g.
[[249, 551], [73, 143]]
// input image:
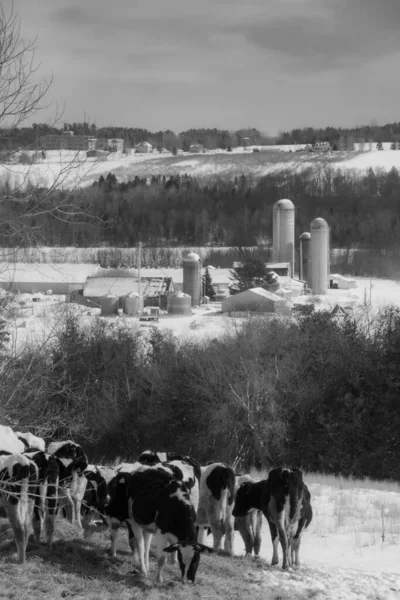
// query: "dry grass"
[[81, 568]]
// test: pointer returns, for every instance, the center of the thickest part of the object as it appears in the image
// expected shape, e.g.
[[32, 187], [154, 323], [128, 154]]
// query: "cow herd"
[[163, 496]]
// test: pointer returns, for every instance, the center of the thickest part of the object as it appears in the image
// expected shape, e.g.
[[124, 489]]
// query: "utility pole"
[[139, 264]]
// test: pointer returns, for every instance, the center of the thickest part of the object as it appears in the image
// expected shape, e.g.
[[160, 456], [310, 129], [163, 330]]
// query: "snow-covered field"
[[351, 548], [67, 169]]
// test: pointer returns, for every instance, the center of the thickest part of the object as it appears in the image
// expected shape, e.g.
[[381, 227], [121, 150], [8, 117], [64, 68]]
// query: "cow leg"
[[202, 534], [161, 543], [257, 532], [114, 537], [51, 511], [132, 544], [147, 543], [140, 544], [275, 542], [243, 527], [283, 540], [39, 511], [18, 529], [229, 533]]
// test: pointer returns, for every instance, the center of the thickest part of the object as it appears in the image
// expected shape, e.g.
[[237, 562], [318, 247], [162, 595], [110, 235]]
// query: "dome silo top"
[[192, 257], [319, 224], [305, 236], [284, 204], [131, 295], [179, 295]]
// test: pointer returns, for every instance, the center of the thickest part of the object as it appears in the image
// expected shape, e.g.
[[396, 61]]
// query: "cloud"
[[340, 34]]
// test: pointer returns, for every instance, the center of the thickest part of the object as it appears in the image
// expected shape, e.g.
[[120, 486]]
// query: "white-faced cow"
[[217, 492], [286, 503], [249, 526], [97, 495], [17, 475], [72, 484]]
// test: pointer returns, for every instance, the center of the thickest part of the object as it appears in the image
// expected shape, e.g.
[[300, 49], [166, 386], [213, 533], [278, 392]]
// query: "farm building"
[[115, 145], [175, 274], [197, 148], [64, 142], [255, 300], [221, 280], [122, 282], [60, 278], [143, 147]]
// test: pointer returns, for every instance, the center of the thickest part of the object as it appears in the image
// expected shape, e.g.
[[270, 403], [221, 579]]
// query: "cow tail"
[[231, 486]]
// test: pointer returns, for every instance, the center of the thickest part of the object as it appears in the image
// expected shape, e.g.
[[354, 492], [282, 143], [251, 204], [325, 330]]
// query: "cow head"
[[188, 556], [70, 454], [243, 504]]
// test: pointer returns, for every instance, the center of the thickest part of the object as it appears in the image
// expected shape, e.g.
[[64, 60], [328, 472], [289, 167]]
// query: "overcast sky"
[[176, 64]]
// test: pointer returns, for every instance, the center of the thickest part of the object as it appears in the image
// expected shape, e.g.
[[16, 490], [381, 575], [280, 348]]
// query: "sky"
[[180, 64]]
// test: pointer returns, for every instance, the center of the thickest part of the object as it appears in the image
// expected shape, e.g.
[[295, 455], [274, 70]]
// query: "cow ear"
[[171, 548], [202, 548]]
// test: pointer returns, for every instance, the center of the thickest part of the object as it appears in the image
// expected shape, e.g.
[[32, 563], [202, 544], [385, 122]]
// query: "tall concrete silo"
[[304, 272], [319, 256], [192, 281], [283, 233]]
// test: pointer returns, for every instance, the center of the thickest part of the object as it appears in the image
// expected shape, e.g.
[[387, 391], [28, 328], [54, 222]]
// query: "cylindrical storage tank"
[[130, 304], [109, 305], [319, 256], [192, 280], [304, 256], [283, 233], [179, 304]]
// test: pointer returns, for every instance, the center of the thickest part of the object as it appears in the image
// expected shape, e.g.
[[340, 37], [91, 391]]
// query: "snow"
[[342, 554], [67, 169]]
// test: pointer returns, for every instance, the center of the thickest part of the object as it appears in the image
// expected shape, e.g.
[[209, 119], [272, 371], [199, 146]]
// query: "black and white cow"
[[18, 475], [217, 492], [10, 442], [97, 495], [249, 526], [71, 483], [32, 442], [286, 503]]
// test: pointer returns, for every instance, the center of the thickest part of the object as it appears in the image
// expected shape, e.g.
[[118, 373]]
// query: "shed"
[[255, 300], [197, 148], [344, 283]]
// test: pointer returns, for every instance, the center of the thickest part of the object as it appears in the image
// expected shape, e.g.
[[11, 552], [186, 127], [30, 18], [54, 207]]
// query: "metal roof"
[[46, 272], [121, 286]]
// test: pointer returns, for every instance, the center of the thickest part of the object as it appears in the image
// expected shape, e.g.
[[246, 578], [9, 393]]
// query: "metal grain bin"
[[109, 305], [179, 304], [130, 304], [192, 279]]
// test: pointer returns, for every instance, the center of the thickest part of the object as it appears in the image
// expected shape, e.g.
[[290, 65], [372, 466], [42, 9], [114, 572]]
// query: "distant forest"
[[362, 211], [339, 138]]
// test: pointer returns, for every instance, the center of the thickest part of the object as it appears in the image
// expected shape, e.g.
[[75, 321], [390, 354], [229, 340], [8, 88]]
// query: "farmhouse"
[[255, 300], [143, 148], [60, 278], [115, 145]]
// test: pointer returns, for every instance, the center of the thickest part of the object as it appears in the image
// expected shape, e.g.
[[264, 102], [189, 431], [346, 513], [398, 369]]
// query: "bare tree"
[[27, 195]]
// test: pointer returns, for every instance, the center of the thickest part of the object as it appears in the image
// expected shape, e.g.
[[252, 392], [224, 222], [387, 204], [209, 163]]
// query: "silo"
[[283, 233], [179, 304], [130, 304], [304, 256], [319, 256], [109, 305], [192, 281]]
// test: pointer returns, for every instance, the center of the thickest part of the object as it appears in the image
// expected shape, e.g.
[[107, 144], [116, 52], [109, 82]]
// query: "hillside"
[[71, 169]]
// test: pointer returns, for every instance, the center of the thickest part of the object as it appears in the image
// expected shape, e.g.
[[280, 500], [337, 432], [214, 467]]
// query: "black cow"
[[217, 492], [286, 503], [151, 501]]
